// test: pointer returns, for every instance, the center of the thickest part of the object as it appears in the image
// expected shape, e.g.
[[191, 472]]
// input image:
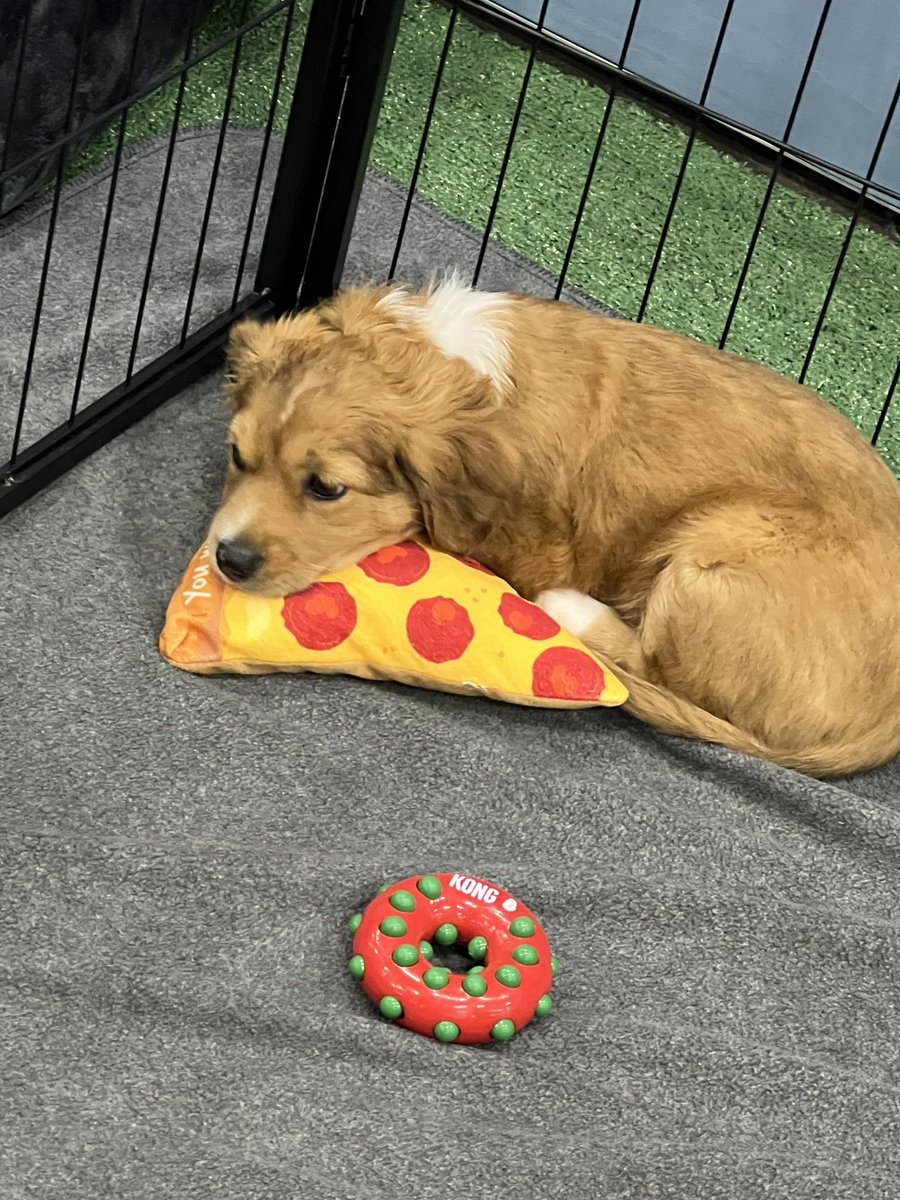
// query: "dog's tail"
[[664, 710]]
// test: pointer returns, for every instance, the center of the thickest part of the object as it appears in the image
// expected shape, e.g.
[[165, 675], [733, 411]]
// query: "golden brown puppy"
[[720, 535]]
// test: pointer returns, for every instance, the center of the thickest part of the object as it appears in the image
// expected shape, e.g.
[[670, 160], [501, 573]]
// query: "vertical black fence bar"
[[882, 416], [773, 175], [214, 177], [264, 153], [107, 218], [14, 95], [336, 103], [368, 63], [598, 150], [17, 82], [851, 229], [507, 155], [306, 150], [51, 232], [423, 141], [686, 157], [163, 190]]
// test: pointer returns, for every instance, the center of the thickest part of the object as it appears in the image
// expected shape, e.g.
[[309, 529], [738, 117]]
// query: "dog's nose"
[[237, 560]]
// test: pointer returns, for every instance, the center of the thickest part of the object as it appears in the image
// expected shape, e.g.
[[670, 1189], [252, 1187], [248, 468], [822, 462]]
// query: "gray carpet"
[[180, 856]]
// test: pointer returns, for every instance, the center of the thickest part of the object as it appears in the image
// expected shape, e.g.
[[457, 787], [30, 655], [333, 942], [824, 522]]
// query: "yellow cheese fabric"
[[407, 613]]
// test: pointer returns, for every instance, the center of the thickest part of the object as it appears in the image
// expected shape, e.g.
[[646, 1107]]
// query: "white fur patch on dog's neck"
[[461, 322]]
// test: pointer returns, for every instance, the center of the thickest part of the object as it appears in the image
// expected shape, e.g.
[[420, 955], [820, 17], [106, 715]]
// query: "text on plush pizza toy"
[[392, 958], [408, 613]]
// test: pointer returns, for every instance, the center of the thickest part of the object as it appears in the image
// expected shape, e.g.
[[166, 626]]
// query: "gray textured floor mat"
[[180, 855]]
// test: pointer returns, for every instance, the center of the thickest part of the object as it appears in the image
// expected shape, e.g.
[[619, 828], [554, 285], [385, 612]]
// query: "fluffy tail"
[[672, 714]]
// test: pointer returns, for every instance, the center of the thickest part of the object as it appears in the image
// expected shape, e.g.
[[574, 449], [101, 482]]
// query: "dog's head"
[[351, 431]]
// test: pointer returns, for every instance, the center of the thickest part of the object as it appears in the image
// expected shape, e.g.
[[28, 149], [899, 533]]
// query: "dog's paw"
[[573, 610]]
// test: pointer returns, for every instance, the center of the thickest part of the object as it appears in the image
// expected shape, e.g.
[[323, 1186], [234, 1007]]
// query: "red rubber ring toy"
[[492, 1001]]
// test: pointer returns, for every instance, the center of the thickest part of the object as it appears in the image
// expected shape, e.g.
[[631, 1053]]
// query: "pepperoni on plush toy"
[[561, 673], [439, 629], [526, 619], [401, 564], [321, 617]]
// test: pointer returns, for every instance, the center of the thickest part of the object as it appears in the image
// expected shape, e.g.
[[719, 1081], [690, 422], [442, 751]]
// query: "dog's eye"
[[236, 456], [317, 489]]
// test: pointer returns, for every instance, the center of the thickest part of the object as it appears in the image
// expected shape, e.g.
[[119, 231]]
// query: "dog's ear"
[[461, 481], [258, 349], [250, 355], [251, 344]]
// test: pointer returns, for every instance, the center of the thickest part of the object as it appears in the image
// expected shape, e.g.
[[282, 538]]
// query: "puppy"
[[718, 534]]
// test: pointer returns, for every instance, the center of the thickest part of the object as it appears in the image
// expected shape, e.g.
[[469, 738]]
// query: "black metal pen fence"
[[308, 210]]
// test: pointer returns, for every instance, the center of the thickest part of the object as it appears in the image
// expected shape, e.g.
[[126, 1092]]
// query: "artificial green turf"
[[715, 216]]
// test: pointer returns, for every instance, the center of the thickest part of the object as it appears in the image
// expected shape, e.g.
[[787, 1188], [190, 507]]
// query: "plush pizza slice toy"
[[407, 613]]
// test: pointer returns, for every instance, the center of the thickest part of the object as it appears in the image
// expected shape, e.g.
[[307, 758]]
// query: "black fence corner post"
[[334, 111]]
